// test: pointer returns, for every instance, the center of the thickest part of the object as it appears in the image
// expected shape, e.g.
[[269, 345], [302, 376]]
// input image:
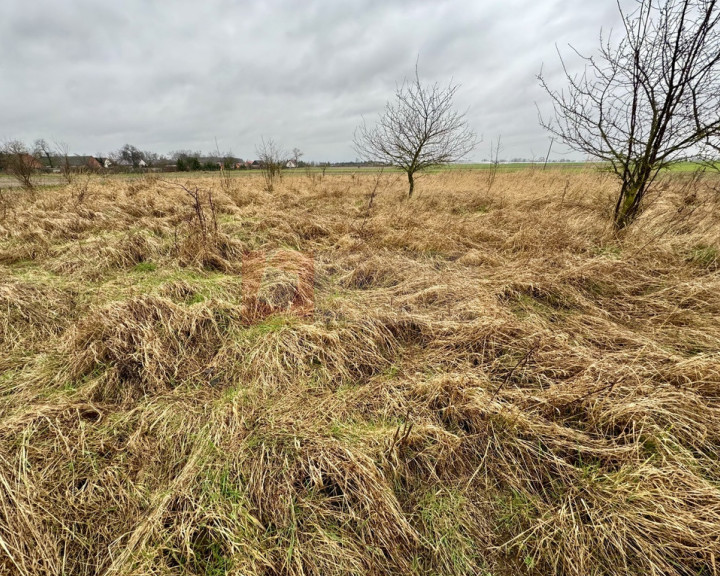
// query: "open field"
[[486, 379], [7, 181], [50, 180]]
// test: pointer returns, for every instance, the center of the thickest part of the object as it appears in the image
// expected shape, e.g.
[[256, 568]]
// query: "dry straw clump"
[[485, 379]]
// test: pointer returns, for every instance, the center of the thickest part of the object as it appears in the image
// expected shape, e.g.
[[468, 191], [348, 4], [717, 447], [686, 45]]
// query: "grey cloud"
[[176, 75]]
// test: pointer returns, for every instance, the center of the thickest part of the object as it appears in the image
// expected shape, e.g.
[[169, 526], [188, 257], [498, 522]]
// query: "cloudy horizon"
[[97, 76]]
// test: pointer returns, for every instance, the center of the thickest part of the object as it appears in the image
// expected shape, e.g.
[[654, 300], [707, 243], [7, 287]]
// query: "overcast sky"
[[170, 75]]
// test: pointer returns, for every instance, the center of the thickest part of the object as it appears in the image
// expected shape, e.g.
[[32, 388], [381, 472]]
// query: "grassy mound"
[[483, 380]]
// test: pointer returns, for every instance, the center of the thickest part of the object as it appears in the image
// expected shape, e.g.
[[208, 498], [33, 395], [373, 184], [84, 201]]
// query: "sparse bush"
[[202, 243], [66, 168], [20, 164], [272, 159], [80, 186], [494, 163]]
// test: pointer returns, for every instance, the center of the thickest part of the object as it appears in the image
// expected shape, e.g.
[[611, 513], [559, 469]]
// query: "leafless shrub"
[[80, 183], [226, 182], [200, 242], [63, 151], [203, 218], [494, 163], [371, 199], [313, 176], [20, 164], [272, 159]]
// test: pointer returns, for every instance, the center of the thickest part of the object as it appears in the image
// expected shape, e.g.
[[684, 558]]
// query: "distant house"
[[291, 164], [80, 163], [142, 164], [98, 163], [255, 164], [55, 164], [30, 161]]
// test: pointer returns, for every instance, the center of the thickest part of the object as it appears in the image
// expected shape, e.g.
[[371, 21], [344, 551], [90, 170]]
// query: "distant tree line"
[[42, 156], [45, 157]]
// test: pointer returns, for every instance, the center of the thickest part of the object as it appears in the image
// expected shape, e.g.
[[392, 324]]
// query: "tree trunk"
[[628, 204], [412, 184]]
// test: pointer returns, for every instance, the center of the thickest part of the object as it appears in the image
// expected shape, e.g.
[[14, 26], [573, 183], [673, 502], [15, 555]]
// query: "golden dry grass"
[[491, 380]]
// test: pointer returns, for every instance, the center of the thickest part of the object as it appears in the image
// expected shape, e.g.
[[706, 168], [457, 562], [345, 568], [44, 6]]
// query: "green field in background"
[[7, 181]]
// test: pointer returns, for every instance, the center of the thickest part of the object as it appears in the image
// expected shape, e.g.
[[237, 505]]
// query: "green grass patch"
[[705, 256], [608, 250], [145, 267], [446, 527], [270, 325]]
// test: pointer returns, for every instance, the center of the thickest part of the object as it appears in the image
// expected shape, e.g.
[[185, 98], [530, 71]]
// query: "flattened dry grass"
[[488, 381]]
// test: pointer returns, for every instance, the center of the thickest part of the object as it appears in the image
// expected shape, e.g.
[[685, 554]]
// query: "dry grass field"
[[490, 381]]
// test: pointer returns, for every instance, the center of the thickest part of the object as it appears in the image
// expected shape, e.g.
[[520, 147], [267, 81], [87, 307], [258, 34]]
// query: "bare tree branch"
[[648, 101]]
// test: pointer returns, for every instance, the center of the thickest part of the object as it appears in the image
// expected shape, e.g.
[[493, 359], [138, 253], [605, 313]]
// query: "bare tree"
[[271, 158], [41, 149], [418, 129], [63, 152], [152, 158], [20, 163], [648, 101], [130, 156], [296, 155]]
